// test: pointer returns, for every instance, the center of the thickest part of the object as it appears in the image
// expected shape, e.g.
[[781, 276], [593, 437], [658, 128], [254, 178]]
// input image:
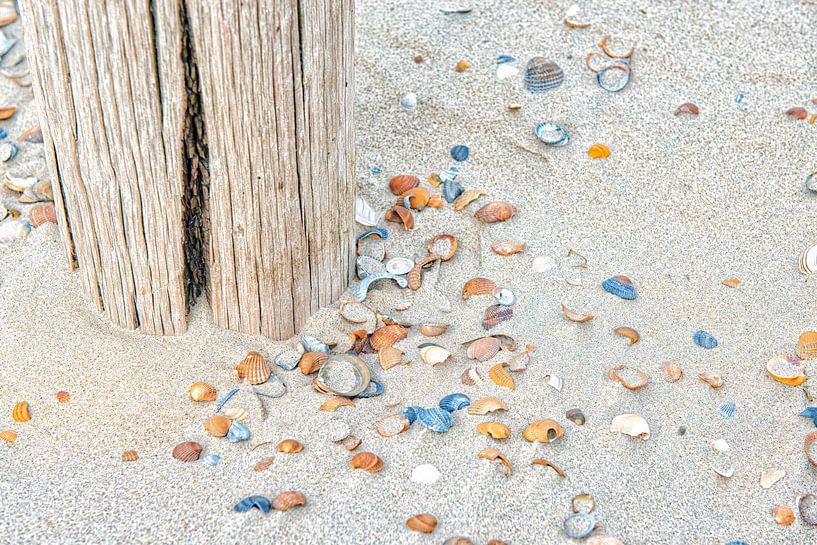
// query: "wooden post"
[[199, 145]]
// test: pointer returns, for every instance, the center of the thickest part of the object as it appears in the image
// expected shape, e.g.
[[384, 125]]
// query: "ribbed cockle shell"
[[495, 211], [289, 446], [424, 523], [201, 391], [543, 431], [287, 500], [367, 461], [189, 451], [254, 369]]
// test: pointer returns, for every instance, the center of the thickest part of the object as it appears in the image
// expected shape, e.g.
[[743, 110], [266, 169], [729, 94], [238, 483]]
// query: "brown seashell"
[[478, 286], [672, 371], [130, 456], [387, 336], [543, 431], [629, 377], [810, 446], [496, 542], [434, 180], [320, 388], [336, 402], [390, 356], [217, 425], [495, 315], [798, 112], [355, 312], [783, 515], [418, 197], [495, 454], [33, 135], [472, 377], [443, 246], [424, 523], [521, 361], [393, 424], [467, 197], [508, 247], [399, 214], [287, 500], [264, 463], [418, 59], [63, 397], [414, 276], [402, 183], [487, 405], [436, 201], [713, 379], [607, 51], [462, 66], [254, 369], [367, 461], [458, 540], [311, 362], [359, 341], [350, 442], [6, 113], [631, 334], [495, 211], [433, 329], [731, 282], [484, 348], [20, 413], [807, 345], [546, 463], [494, 429], [501, 377], [577, 317], [201, 391], [687, 108], [289, 446], [42, 213], [188, 451]]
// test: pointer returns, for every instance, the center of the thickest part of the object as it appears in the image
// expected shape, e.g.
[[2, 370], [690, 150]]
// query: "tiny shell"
[[263, 463], [435, 419], [576, 416], [454, 402], [631, 334], [807, 345], [542, 75], [63, 397], [726, 410], [543, 431], [367, 461], [786, 369], [495, 212], [500, 376], [467, 197], [402, 183], [713, 379], [392, 424], [436, 201], [554, 381], [769, 478], [731, 282], [487, 405], [583, 503], [629, 377], [672, 371], [504, 296], [495, 315], [201, 391], [598, 151], [424, 523], [704, 339], [237, 432], [574, 316], [495, 454], [521, 361], [387, 336], [409, 103], [290, 446], [798, 112], [130, 456], [783, 515], [259, 502], [287, 500], [462, 66], [472, 377], [389, 357], [336, 402], [311, 362], [20, 413], [810, 446], [547, 463], [494, 429], [254, 368], [433, 329], [425, 474], [434, 354], [508, 247], [217, 425], [6, 113], [631, 424], [460, 153], [188, 451], [620, 286], [687, 108], [478, 286]]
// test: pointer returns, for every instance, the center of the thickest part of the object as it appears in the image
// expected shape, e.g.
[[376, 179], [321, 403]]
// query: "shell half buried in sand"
[[345, 375], [786, 369], [632, 425]]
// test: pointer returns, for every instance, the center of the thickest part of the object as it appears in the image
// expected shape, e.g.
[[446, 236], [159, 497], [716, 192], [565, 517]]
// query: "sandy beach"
[[682, 203]]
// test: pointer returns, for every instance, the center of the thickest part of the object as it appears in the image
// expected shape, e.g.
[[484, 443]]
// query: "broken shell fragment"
[[354, 312], [362, 289], [632, 425], [389, 357], [576, 416], [423, 523], [713, 379], [367, 461], [261, 503], [402, 183], [400, 214], [9, 436], [487, 405], [237, 432], [416, 198], [494, 429], [495, 315], [345, 375], [434, 354], [435, 419], [478, 286], [495, 454], [254, 368], [672, 371], [288, 359], [547, 463], [731, 282], [393, 424], [769, 478], [41, 214], [579, 525], [807, 506], [508, 247], [287, 500], [520, 361], [467, 197], [263, 463], [631, 334], [290, 446], [810, 446], [472, 377], [554, 382], [336, 402], [425, 474], [807, 345], [443, 247], [188, 451], [798, 112], [461, 66], [783, 515], [64, 397], [500, 376], [496, 211], [786, 369], [433, 329], [543, 431], [130, 456], [687, 108], [629, 377], [387, 336], [574, 316]]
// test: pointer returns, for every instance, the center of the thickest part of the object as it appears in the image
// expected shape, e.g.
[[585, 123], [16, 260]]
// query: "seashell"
[[614, 77], [783, 515], [238, 414], [254, 369], [415, 275], [362, 289], [629, 377], [704, 339], [769, 478], [504, 297], [360, 341], [521, 361], [554, 382], [19, 184], [433, 329], [12, 231], [41, 214], [576, 416], [574, 316], [261, 503], [508, 247], [603, 540], [434, 354], [418, 198], [495, 212], [720, 445], [20, 413], [547, 463], [351, 442], [425, 474], [579, 525], [583, 503], [687, 108], [713, 379], [373, 389], [188, 451], [786, 369], [288, 359], [494, 429], [393, 424], [632, 425], [38, 192], [672, 371], [452, 189], [365, 214], [402, 183], [371, 243], [435, 419], [436, 201], [410, 413], [238, 432], [6, 113], [399, 266], [487, 405], [263, 463], [811, 185], [726, 409], [551, 134], [367, 461], [808, 260], [130, 456], [424, 523], [454, 402], [217, 425], [389, 357], [731, 282], [311, 362], [798, 112], [353, 312], [409, 103], [483, 348], [467, 197], [289, 446], [631, 334], [287, 500], [543, 431], [460, 153], [63, 397], [495, 315], [458, 540], [201, 391], [273, 389], [621, 286], [495, 454], [472, 377], [478, 286], [543, 263], [400, 214], [807, 506], [505, 67], [542, 75], [810, 446], [336, 402], [8, 150], [807, 345], [501, 377], [387, 336], [598, 151]]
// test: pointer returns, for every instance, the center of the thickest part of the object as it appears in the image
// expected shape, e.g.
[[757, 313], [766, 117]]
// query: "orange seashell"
[[713, 379], [672, 371], [487, 405], [471, 377], [687, 108], [9, 436], [433, 329], [217, 425], [402, 183], [810, 446], [543, 431], [424, 523], [478, 286], [399, 214], [287, 500], [798, 112], [42, 213], [415, 275], [467, 197], [359, 340], [631, 334], [462, 66], [607, 51], [418, 197], [6, 113], [443, 246], [387, 336], [254, 369], [598, 151], [63, 397], [367, 461], [289, 446], [495, 211], [336, 402], [436, 201], [508, 247], [434, 180], [484, 348], [494, 429], [807, 345], [577, 317], [783, 515], [130, 456], [629, 377], [389, 357], [20, 413], [201, 391], [495, 454], [311, 362], [501, 377], [188, 451], [264, 463], [320, 388], [546, 463], [350, 442], [786, 369], [731, 282], [393, 424]]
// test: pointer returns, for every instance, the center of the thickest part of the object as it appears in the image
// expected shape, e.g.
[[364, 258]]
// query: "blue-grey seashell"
[[259, 502], [704, 339], [454, 402], [460, 153], [376, 170], [367, 265], [288, 359], [542, 75], [377, 231], [407, 202], [374, 389], [579, 525], [238, 432], [225, 398], [411, 413], [505, 59], [436, 419], [313, 344], [362, 289], [620, 286], [727, 409], [211, 459], [451, 190], [810, 412], [551, 134], [274, 387], [449, 174], [614, 77], [737, 542], [744, 102]]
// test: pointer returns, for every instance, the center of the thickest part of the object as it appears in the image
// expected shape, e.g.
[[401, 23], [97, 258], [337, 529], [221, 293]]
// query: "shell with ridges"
[[402, 183], [500, 376], [471, 377], [254, 368], [704, 339], [543, 431], [311, 362], [494, 429], [237, 413], [631, 424], [495, 315], [542, 75], [423, 523], [367, 461], [188, 451], [387, 336], [289, 446], [336, 402], [130, 456], [42, 213], [598, 151], [454, 402], [433, 329], [484, 348], [436, 419], [287, 500], [238, 432], [807, 506], [478, 286], [496, 211], [509, 247], [467, 197], [434, 354], [810, 446], [389, 357], [20, 413], [9, 436], [201, 391], [807, 345], [487, 405], [620, 286], [672, 371], [63, 397]]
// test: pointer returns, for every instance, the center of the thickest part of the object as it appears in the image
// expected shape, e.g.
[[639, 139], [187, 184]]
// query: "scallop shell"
[[311, 362], [454, 402], [288, 359], [237, 413], [478, 286], [807, 345], [727, 409], [713, 379], [472, 377], [620, 286], [687, 108], [201, 391], [483, 348], [542, 75], [547, 463], [9, 436], [389, 357], [20, 413], [289, 446], [237, 432], [336, 402], [786, 369], [672, 371], [494, 429], [509, 247], [400, 214], [487, 405], [496, 454], [433, 329], [42, 213], [434, 354], [579, 525], [287, 500], [188, 451], [418, 198], [263, 463], [367, 461], [414, 277], [783, 515], [261, 503], [423, 523], [631, 424], [576, 416], [629, 377], [574, 316], [217, 425], [631, 334], [807, 506], [810, 446], [130, 456], [496, 211], [495, 315], [425, 474], [543, 431], [354, 312], [598, 151], [467, 197], [501, 377], [392, 424], [402, 183], [254, 368], [436, 419], [521, 361], [63, 397], [387, 336], [704, 339]]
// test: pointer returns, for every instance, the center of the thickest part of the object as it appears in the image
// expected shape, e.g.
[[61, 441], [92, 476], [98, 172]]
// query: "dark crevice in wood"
[[72, 252]]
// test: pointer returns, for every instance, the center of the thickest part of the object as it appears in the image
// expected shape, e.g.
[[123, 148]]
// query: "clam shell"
[[392, 424], [500, 376], [63, 397], [810, 446], [7, 151], [237, 432], [478, 286], [353, 312], [402, 183], [797, 112], [496, 211], [425, 474], [551, 134], [509, 247], [574, 316], [783, 515], [494, 429], [713, 379], [521, 361], [807, 506], [435, 419], [467, 197], [38, 192], [808, 259], [620, 286], [389, 357], [704, 339], [254, 368], [9, 436], [217, 425], [460, 153], [436, 201], [20, 413], [487, 405], [311, 362], [579, 525], [424, 523], [387, 336], [201, 391], [433, 329], [543, 431], [495, 315], [496, 454], [632, 425], [807, 345], [629, 377], [288, 359], [261, 503], [769, 478], [483, 348], [418, 198], [786, 369], [263, 463], [287, 500], [687, 108], [434, 354], [289, 446], [130, 456], [472, 377], [542, 75], [576, 416], [12, 231], [400, 214], [188, 451], [628, 332], [237, 413], [672, 371], [454, 402], [367, 461], [42, 213], [547, 463], [443, 246], [335, 403]]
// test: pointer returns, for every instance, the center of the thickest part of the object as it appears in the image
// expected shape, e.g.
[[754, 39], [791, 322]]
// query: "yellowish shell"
[[9, 436], [631, 334], [598, 151], [807, 345], [336, 402], [287, 500], [543, 431], [311, 362], [130, 456], [574, 316], [290, 446], [201, 391], [494, 429], [487, 405], [367, 461], [434, 354], [672, 371], [787, 370], [237, 413], [433, 330], [783, 515], [20, 413], [467, 197], [508, 247], [548, 463], [462, 66], [217, 425], [254, 368], [713, 379], [496, 454], [501, 377], [390, 356]]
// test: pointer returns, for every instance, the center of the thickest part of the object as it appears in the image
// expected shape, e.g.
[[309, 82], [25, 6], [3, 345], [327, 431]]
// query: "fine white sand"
[[682, 204]]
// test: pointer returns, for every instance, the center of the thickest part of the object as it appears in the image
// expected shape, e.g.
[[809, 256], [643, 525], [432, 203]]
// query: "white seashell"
[[769, 478], [555, 382], [434, 354], [399, 265], [3, 212], [19, 184], [425, 474], [409, 103], [11, 231], [808, 260], [543, 264], [7, 151], [631, 424], [365, 214], [719, 444], [725, 472], [506, 70], [234, 413]]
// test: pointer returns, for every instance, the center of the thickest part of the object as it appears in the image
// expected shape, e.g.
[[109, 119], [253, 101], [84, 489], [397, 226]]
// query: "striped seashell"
[[478, 286], [726, 410], [576, 416], [483, 348], [547, 463], [130, 456], [387, 336], [389, 357], [433, 354], [543, 431], [367, 461], [807, 345], [574, 316], [583, 503], [288, 359], [436, 419], [704, 339], [551, 134], [423, 523], [495, 315], [63, 397], [238, 432], [501, 377], [20, 413], [414, 278], [411, 413], [713, 379], [261, 503], [9, 436], [443, 246], [629, 377], [287, 500], [496, 454], [687, 108], [217, 425], [521, 361], [487, 405], [579, 525], [201, 391], [467, 197], [263, 463], [392, 424], [620, 286], [402, 183], [454, 402], [786, 369], [400, 214], [598, 151], [542, 75], [337, 402], [311, 362], [41, 214], [632, 425], [808, 259], [472, 377], [237, 413], [188, 451], [254, 369], [460, 153], [496, 211], [494, 429], [672, 371], [354, 312], [418, 198], [433, 329], [628, 332], [290, 446], [509, 247]]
